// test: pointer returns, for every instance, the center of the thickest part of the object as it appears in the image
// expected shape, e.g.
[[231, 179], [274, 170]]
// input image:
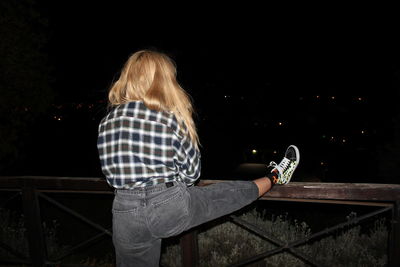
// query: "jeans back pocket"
[[129, 226], [169, 212]]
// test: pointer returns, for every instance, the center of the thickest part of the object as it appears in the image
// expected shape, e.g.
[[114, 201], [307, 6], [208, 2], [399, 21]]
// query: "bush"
[[13, 233], [227, 243]]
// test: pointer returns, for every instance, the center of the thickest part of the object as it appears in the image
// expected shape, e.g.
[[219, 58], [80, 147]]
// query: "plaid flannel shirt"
[[140, 147]]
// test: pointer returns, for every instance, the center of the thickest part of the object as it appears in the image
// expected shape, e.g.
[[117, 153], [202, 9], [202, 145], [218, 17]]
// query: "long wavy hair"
[[150, 76]]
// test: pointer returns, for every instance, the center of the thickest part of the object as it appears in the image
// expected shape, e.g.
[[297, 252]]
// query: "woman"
[[149, 152]]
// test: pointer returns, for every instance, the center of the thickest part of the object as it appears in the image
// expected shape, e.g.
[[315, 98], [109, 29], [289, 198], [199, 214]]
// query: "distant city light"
[[280, 123], [275, 152], [254, 151], [333, 97], [362, 131], [317, 96], [322, 163]]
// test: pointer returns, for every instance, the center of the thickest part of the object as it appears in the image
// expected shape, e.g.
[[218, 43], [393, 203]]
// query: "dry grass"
[[226, 243]]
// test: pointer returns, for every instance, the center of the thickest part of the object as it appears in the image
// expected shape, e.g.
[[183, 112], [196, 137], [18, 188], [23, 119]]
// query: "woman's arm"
[[187, 158]]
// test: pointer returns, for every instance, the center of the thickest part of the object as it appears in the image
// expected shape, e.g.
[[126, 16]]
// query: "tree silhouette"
[[25, 91], [389, 150]]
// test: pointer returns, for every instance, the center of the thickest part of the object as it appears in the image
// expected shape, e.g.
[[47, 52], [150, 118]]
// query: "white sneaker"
[[287, 166]]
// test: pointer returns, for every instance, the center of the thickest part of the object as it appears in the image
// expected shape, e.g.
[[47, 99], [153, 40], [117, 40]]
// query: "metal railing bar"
[[354, 220], [259, 256], [74, 213], [328, 201], [68, 265], [304, 240], [11, 189], [15, 261], [77, 191], [80, 245], [9, 199], [252, 228], [12, 251]]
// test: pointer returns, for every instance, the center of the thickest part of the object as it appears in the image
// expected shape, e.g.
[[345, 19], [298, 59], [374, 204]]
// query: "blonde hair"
[[150, 77]]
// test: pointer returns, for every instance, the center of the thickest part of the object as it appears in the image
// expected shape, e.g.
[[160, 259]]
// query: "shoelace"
[[283, 165]]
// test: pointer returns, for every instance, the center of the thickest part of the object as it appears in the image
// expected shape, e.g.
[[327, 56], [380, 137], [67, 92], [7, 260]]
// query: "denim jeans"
[[143, 216]]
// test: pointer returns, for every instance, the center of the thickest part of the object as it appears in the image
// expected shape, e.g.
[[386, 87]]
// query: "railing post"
[[189, 249], [36, 241], [394, 238]]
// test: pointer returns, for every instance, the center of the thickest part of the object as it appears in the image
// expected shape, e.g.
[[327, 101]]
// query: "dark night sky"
[[246, 67], [90, 42]]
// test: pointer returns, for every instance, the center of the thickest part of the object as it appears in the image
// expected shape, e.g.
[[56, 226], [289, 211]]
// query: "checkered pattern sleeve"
[[187, 158]]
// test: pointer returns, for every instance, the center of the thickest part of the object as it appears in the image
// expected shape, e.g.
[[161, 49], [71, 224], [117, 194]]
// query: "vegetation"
[[225, 243], [13, 233], [24, 76]]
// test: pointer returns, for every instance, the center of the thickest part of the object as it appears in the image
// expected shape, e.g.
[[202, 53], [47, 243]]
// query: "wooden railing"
[[385, 196]]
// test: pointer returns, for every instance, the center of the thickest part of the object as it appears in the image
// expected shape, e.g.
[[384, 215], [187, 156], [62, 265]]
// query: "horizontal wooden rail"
[[293, 190], [46, 183], [331, 191]]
